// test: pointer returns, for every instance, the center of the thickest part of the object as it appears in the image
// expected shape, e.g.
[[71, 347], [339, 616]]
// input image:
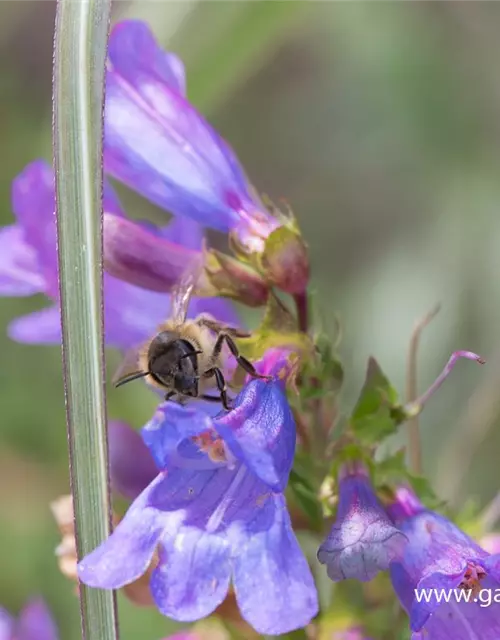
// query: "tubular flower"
[[34, 623], [159, 145], [215, 513], [28, 265], [440, 559], [362, 541]]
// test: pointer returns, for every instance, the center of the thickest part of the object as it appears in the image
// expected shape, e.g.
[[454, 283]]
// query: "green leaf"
[[306, 498], [393, 472], [377, 413], [79, 66], [322, 374]]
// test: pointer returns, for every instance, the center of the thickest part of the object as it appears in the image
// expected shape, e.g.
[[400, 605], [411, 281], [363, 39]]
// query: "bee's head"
[[173, 363]]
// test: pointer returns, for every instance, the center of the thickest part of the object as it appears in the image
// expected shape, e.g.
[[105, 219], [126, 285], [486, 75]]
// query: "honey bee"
[[185, 356]]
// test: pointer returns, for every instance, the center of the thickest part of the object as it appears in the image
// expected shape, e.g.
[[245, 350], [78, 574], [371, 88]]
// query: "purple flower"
[[440, 556], [490, 543], [34, 623], [362, 541], [28, 265], [216, 512], [158, 144]]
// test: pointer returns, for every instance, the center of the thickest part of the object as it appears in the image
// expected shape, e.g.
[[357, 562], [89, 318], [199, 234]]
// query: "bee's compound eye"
[[162, 379]]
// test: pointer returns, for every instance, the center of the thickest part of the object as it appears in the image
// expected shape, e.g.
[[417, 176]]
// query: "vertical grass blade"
[[79, 64]]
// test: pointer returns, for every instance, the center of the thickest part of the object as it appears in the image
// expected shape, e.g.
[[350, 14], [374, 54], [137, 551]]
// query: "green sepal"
[[285, 260], [277, 329], [230, 278], [378, 412]]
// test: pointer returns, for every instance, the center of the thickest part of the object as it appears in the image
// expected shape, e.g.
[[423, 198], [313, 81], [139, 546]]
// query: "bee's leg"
[[209, 398], [206, 320], [241, 360], [221, 385], [169, 395]]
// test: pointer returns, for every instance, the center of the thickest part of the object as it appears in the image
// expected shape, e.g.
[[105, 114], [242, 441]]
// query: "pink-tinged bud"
[[230, 278], [285, 260], [140, 257], [273, 244]]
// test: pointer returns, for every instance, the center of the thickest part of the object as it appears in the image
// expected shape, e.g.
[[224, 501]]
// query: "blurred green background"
[[379, 122]]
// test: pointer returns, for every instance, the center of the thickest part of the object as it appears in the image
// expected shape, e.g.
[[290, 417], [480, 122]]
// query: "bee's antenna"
[[188, 355], [131, 377]]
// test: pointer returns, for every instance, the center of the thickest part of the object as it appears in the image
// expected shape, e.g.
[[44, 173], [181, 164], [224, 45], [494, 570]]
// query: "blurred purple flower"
[[28, 265], [215, 511], [440, 556], [362, 541], [490, 543], [33, 623], [159, 145]]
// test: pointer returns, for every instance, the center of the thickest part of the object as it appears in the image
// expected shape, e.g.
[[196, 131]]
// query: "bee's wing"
[[183, 291], [129, 368]]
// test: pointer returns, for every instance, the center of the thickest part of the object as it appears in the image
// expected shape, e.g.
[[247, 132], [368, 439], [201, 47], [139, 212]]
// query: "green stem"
[[79, 68]]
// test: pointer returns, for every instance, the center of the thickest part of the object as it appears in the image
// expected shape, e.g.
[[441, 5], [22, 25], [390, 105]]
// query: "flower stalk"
[[79, 67], [414, 444]]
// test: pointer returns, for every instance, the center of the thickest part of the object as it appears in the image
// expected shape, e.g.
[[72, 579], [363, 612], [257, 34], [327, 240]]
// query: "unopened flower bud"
[[230, 278], [285, 260]]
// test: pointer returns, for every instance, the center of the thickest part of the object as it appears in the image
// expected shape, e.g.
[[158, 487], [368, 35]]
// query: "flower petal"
[[193, 574], [184, 232], [273, 584], [362, 540], [132, 314], [134, 54], [260, 431], [142, 258], [6, 625], [436, 583], [33, 203], [19, 272], [169, 426], [128, 551], [39, 327], [36, 622], [462, 621], [131, 466], [158, 144]]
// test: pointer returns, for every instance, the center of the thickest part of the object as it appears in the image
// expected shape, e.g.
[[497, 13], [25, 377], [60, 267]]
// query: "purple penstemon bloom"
[[215, 513], [440, 556], [28, 265], [362, 540], [33, 623], [158, 144]]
